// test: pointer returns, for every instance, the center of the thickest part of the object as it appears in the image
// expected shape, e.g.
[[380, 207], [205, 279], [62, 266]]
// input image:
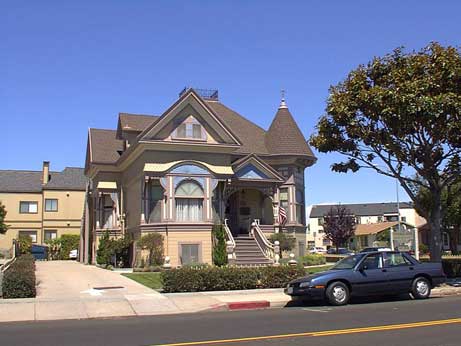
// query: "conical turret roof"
[[284, 135]]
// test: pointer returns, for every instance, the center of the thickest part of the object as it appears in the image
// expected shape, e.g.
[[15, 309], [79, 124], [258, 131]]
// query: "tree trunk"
[[454, 240], [435, 218]]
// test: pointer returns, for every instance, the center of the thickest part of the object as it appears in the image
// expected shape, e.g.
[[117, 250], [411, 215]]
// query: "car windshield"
[[348, 262]]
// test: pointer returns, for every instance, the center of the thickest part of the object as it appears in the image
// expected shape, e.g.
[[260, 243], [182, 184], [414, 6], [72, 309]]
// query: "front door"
[[371, 278]]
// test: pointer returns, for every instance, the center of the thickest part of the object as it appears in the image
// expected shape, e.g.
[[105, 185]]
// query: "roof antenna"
[[283, 103]]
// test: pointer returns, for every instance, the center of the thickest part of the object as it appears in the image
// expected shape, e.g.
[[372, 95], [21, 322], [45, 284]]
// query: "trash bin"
[[40, 252]]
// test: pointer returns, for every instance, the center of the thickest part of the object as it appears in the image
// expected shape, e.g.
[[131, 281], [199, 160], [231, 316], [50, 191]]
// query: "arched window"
[[189, 201]]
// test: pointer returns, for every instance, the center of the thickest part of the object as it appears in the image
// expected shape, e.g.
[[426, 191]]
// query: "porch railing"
[[264, 244], [229, 240]]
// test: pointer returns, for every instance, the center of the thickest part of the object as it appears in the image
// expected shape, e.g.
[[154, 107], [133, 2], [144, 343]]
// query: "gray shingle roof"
[[71, 178], [283, 137], [362, 209], [20, 181]]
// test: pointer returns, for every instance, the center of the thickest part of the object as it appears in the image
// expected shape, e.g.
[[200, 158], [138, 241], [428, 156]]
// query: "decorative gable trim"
[[251, 167], [192, 100]]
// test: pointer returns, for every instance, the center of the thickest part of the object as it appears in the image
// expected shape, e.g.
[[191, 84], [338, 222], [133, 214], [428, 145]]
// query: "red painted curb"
[[260, 304]]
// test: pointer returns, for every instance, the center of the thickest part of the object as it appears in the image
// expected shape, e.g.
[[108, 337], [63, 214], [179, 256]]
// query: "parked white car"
[[317, 249], [73, 254]]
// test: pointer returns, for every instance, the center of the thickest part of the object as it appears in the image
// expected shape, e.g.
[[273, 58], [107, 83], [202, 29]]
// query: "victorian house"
[[198, 164]]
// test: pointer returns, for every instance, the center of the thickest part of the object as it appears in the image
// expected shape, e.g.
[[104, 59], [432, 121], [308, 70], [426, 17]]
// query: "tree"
[[153, 242], [338, 225], [451, 211], [287, 243], [3, 225], [400, 116], [25, 244], [219, 246]]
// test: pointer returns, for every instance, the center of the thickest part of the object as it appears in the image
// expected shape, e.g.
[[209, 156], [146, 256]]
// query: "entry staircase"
[[252, 249]]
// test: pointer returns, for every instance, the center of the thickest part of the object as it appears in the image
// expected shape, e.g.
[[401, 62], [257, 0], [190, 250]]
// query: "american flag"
[[282, 216]]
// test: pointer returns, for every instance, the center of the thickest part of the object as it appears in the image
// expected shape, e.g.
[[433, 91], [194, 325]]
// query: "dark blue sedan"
[[366, 274]]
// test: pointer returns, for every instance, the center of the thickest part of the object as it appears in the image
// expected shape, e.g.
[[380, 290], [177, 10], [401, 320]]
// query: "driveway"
[[73, 280], [70, 290]]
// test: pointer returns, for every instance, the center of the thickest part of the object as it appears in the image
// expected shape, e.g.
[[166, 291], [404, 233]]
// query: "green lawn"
[[313, 270], [151, 280]]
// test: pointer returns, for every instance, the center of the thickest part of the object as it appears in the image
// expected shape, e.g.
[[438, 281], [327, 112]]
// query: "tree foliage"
[[153, 242], [219, 246], [338, 225], [287, 242], [25, 244], [400, 116], [113, 251], [60, 248], [3, 225]]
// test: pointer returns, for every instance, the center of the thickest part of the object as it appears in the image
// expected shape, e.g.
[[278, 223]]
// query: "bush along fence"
[[19, 279], [190, 279]]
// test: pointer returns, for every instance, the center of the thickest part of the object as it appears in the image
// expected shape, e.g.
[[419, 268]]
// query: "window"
[[108, 211], [396, 260], [155, 202], [51, 204], [363, 241], [190, 130], [300, 211], [189, 202], [31, 234], [372, 261], [50, 234], [403, 218], [28, 207], [380, 219], [391, 218], [189, 253], [320, 221]]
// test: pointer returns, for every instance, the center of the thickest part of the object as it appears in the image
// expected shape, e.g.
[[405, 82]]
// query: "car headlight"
[[304, 284]]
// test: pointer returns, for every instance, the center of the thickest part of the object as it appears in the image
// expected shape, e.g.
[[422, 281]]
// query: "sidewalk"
[[69, 290]]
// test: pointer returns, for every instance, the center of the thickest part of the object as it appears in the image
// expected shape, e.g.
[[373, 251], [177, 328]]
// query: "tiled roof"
[[362, 209], [71, 178], [285, 137], [20, 181], [250, 135], [136, 122], [104, 146], [373, 228]]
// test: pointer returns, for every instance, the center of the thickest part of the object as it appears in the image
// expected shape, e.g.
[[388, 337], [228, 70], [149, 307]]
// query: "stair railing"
[[230, 241], [267, 248]]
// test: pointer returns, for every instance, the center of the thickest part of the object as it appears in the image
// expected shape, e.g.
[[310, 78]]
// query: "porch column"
[[98, 210], [275, 209], [143, 200]]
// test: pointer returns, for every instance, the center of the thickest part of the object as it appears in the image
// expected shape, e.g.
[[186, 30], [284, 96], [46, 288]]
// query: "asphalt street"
[[433, 322]]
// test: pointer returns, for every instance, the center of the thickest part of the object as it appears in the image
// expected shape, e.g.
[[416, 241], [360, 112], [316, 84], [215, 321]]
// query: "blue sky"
[[66, 66]]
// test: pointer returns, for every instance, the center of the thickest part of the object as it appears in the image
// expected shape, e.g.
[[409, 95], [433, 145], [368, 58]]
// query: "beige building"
[[365, 214], [43, 204], [198, 164]]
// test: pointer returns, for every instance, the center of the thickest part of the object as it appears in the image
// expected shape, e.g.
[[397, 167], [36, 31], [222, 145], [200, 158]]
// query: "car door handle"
[[384, 270], [411, 268]]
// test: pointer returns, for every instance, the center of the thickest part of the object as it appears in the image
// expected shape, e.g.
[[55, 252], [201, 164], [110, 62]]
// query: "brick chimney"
[[46, 172]]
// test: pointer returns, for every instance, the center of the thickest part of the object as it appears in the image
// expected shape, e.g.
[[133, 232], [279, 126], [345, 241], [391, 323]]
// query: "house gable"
[[252, 167], [189, 108]]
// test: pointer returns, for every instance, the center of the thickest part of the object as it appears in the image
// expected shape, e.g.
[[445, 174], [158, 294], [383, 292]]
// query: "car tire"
[[337, 293], [421, 288]]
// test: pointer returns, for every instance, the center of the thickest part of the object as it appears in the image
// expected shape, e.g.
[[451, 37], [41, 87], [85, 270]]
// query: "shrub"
[[189, 279], [25, 244], [19, 278], [287, 242], [423, 249], [313, 259], [111, 250], [153, 242], [452, 267], [219, 246], [68, 242]]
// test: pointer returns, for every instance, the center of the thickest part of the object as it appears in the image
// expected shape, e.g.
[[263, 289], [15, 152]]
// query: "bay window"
[[189, 202]]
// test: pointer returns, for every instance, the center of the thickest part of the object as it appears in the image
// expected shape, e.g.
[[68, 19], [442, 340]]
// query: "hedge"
[[452, 267], [228, 278], [19, 278]]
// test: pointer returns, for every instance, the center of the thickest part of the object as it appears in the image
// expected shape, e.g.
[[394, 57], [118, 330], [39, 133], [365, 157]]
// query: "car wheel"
[[337, 293], [421, 288]]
